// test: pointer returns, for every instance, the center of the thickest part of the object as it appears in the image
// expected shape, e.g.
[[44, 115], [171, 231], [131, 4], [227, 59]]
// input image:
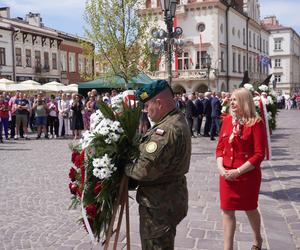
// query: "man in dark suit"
[[207, 113], [200, 110], [190, 112], [215, 115]]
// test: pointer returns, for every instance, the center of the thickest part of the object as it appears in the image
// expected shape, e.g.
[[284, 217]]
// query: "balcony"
[[191, 74]]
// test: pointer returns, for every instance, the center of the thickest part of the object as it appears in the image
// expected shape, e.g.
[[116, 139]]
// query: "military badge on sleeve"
[[151, 147]]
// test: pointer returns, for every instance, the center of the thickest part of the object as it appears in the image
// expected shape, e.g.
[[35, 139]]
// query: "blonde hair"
[[246, 104]]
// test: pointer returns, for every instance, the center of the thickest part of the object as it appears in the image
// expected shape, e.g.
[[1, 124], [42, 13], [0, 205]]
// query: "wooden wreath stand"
[[123, 202]]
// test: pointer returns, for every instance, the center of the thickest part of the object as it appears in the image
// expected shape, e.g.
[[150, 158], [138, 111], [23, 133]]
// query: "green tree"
[[119, 35]]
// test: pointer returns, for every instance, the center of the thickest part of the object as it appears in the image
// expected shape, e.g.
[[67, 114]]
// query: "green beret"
[[148, 91]]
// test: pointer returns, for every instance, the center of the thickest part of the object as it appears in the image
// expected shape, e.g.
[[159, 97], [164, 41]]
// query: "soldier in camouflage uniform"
[[165, 152]]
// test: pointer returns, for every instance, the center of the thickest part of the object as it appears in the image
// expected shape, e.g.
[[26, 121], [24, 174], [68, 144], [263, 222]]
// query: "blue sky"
[[67, 15]]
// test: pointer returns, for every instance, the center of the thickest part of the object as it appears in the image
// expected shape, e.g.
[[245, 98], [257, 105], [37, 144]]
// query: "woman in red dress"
[[240, 151]]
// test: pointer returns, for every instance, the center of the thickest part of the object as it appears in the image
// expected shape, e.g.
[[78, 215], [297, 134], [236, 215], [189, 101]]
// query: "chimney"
[[270, 21], [5, 12], [34, 19]]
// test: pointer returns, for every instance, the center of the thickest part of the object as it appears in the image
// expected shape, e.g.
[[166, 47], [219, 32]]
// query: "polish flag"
[[191, 61]]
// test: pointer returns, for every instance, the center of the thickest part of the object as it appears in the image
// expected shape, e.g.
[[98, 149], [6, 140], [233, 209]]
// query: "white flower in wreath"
[[105, 160], [116, 126], [117, 103], [97, 163], [114, 137], [263, 88], [102, 130], [105, 173], [97, 172], [249, 86], [95, 119], [86, 139]]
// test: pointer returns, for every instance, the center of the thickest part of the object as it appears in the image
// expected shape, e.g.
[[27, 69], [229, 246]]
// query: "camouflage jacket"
[[165, 152]]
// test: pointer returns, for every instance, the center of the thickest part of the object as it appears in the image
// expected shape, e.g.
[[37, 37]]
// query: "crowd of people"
[[203, 111], [289, 102], [63, 115]]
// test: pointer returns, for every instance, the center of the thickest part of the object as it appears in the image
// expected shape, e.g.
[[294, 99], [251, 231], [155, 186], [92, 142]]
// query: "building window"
[[267, 47], [233, 31], [2, 56], [28, 57], [81, 63], [71, 62], [63, 59], [183, 61], [258, 44], [203, 54], [254, 45], [277, 78], [249, 38], [264, 46], [254, 65], [18, 57], [37, 57], [277, 44], [233, 62], [244, 36], [250, 64], [222, 61], [277, 63], [46, 61], [54, 61], [239, 63], [244, 63]]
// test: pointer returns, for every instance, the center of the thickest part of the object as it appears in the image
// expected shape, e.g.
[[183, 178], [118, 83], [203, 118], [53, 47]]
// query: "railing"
[[191, 74]]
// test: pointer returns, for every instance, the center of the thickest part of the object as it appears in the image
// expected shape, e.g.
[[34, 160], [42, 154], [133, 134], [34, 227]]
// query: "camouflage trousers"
[[165, 242], [157, 233]]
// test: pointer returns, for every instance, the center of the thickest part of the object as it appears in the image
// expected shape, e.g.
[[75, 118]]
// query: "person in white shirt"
[[63, 115]]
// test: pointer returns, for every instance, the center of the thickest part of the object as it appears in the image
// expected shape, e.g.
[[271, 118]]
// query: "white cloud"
[[287, 12]]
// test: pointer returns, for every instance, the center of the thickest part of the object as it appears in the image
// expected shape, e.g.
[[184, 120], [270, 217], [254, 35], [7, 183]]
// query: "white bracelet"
[[239, 171]]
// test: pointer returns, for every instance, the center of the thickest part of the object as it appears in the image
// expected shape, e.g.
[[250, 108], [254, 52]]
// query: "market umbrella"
[[31, 85], [52, 86], [6, 81], [116, 81], [70, 88], [17, 87]]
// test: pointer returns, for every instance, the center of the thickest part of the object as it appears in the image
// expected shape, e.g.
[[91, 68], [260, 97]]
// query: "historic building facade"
[[230, 33], [6, 57], [285, 56], [33, 51]]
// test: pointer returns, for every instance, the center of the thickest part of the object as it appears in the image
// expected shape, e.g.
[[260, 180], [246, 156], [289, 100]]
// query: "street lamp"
[[165, 42], [207, 64]]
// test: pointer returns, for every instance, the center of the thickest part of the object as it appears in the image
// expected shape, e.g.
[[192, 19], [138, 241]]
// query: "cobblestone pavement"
[[34, 197]]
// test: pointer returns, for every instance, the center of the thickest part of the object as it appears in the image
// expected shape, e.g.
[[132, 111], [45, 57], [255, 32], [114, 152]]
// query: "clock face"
[[201, 27]]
